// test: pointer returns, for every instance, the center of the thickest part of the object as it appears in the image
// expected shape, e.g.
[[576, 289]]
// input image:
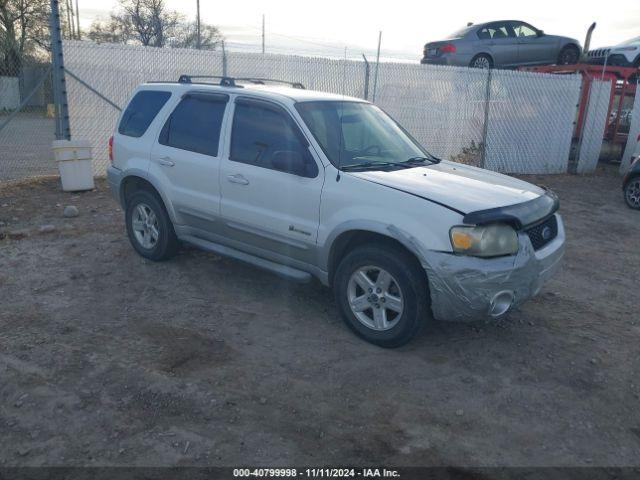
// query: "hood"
[[457, 186]]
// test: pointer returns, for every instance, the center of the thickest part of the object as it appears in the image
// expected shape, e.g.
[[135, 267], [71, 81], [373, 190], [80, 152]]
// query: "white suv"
[[309, 184]]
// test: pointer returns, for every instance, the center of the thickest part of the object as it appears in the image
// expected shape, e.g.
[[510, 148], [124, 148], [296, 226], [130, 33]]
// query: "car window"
[[460, 33], [195, 124], [630, 42], [495, 31], [524, 30], [354, 132], [263, 132], [141, 111]]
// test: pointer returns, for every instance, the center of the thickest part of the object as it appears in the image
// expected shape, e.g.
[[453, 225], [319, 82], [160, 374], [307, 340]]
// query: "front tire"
[[569, 55], [382, 294], [149, 227], [632, 193]]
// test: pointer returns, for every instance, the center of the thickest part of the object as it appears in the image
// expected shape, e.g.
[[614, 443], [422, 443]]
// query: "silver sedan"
[[505, 43]]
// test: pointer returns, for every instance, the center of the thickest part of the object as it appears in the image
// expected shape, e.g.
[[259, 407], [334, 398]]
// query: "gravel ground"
[[108, 359]]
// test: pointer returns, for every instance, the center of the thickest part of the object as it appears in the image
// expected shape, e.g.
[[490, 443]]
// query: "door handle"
[[237, 178], [166, 161]]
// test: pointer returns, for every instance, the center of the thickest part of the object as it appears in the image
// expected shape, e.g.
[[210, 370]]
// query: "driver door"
[[533, 48], [267, 209]]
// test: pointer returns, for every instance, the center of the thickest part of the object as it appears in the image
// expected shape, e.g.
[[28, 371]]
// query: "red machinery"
[[623, 89]]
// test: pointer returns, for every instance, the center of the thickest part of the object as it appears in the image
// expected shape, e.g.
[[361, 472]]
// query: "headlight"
[[484, 241]]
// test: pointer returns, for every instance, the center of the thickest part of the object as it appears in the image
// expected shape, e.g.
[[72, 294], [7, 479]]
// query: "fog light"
[[501, 303]]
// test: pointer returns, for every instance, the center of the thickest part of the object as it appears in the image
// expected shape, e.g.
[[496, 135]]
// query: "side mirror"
[[289, 161], [541, 33]]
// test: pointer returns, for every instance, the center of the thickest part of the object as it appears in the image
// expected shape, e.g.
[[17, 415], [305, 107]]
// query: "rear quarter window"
[[142, 109]]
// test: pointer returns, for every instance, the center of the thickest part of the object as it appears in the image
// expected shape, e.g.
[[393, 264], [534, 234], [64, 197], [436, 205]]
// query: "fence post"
[[367, 72], [485, 126], [224, 60], [63, 131], [375, 78]]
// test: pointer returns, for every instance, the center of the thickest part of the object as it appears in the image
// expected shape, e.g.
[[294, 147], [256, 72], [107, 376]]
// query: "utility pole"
[[375, 78], [70, 22], [263, 33], [78, 21], [63, 132], [199, 38]]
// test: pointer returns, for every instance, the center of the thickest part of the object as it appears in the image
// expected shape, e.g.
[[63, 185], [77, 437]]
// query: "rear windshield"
[[460, 33], [141, 111]]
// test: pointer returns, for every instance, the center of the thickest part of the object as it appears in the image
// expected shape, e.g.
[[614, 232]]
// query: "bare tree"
[[187, 36], [22, 29], [150, 23], [24, 32]]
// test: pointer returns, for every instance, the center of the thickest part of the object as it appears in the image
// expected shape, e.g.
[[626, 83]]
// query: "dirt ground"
[[108, 359]]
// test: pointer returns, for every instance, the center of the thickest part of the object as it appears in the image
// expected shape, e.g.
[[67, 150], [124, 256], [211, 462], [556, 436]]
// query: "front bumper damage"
[[465, 289]]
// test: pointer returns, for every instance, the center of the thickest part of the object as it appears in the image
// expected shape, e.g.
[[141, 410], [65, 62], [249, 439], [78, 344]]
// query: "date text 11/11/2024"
[[316, 472]]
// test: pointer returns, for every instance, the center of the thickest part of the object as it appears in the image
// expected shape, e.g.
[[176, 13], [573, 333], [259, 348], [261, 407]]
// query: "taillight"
[[448, 48], [111, 149]]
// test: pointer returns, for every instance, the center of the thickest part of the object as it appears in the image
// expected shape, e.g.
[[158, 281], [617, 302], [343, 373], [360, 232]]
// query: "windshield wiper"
[[419, 160], [368, 166]]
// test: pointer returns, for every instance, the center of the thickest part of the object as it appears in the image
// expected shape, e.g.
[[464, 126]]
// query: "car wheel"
[[632, 193], [481, 61], [149, 227], [569, 55], [382, 294]]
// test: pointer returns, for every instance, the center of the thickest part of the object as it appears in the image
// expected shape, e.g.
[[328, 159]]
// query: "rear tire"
[[481, 60], [382, 294], [569, 55], [149, 227]]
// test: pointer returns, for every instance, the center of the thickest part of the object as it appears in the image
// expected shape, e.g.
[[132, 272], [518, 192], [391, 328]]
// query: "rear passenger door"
[[185, 158], [498, 39], [267, 208]]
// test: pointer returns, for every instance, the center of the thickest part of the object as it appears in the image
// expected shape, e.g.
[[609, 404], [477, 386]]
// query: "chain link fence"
[[27, 126], [507, 121]]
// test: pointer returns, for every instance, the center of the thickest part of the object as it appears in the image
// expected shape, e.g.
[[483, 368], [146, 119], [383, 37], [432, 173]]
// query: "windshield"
[[354, 133], [631, 41], [461, 33]]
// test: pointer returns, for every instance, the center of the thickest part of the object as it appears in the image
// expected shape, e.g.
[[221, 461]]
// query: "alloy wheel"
[[145, 225], [375, 298], [568, 57], [632, 193], [481, 62]]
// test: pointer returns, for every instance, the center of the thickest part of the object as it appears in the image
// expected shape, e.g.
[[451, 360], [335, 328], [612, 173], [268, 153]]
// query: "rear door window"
[[141, 111], [195, 123], [495, 31]]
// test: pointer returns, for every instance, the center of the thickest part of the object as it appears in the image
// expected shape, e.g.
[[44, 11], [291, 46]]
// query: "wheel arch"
[[571, 44], [486, 54], [134, 182], [632, 176], [347, 240]]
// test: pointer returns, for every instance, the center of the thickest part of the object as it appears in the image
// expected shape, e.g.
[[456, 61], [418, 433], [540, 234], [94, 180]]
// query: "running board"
[[284, 271]]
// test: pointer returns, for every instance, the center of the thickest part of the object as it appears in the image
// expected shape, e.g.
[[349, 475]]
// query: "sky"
[[299, 26]]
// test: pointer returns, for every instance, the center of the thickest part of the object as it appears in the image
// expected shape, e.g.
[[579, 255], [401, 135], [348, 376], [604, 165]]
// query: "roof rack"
[[231, 81]]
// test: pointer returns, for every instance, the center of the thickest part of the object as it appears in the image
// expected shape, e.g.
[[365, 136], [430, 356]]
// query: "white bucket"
[[74, 163]]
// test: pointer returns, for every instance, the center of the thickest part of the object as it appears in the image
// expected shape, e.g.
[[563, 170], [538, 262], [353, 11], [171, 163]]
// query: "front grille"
[[543, 233]]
